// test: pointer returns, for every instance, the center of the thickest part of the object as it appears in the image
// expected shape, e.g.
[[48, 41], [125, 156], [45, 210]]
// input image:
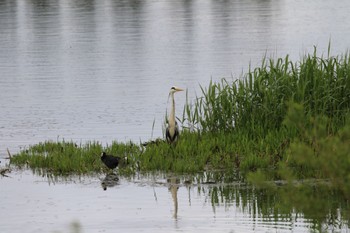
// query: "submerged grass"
[[249, 124]]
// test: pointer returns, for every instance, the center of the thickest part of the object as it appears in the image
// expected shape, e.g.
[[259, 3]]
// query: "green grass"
[[249, 124], [64, 158], [258, 102]]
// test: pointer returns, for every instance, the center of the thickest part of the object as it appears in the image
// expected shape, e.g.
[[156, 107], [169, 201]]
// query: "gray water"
[[152, 203], [101, 70]]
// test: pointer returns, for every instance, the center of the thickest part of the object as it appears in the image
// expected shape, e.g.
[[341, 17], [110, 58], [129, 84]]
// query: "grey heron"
[[109, 160], [172, 131]]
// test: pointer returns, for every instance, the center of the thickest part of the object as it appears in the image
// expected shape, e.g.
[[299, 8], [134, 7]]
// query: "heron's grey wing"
[[176, 135], [167, 135]]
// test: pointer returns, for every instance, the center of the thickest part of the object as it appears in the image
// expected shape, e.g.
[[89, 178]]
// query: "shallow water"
[[101, 70], [152, 203]]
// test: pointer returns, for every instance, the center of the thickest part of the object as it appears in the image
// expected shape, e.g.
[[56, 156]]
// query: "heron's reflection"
[[173, 183], [110, 180]]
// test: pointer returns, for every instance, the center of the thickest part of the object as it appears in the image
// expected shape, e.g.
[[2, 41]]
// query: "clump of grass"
[[316, 153], [258, 103], [63, 158]]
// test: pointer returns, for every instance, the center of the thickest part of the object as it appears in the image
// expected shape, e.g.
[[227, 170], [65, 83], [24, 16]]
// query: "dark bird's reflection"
[[110, 181]]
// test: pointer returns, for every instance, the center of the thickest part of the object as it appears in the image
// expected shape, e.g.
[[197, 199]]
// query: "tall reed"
[[257, 103]]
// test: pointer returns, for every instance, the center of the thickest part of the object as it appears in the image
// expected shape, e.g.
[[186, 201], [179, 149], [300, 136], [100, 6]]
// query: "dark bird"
[[172, 131], [109, 160]]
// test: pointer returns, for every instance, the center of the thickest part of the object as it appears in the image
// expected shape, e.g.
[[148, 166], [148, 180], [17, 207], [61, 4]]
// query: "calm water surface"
[[101, 70], [153, 203]]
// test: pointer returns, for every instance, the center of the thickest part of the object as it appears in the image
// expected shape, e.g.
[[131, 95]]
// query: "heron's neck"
[[172, 111]]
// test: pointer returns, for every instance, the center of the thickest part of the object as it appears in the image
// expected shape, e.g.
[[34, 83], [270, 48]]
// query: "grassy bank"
[[260, 121], [66, 157]]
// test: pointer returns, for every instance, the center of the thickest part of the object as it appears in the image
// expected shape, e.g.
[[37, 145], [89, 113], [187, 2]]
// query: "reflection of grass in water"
[[307, 203], [75, 227], [322, 207]]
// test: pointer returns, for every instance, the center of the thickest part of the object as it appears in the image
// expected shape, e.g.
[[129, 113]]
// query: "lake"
[[89, 70]]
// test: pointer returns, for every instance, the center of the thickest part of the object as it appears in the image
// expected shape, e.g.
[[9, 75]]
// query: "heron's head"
[[174, 89]]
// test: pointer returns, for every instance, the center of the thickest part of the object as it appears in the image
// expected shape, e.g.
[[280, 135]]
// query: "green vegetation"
[[285, 117], [318, 153], [64, 158]]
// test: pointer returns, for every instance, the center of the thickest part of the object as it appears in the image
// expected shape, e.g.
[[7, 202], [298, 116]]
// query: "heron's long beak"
[[176, 90]]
